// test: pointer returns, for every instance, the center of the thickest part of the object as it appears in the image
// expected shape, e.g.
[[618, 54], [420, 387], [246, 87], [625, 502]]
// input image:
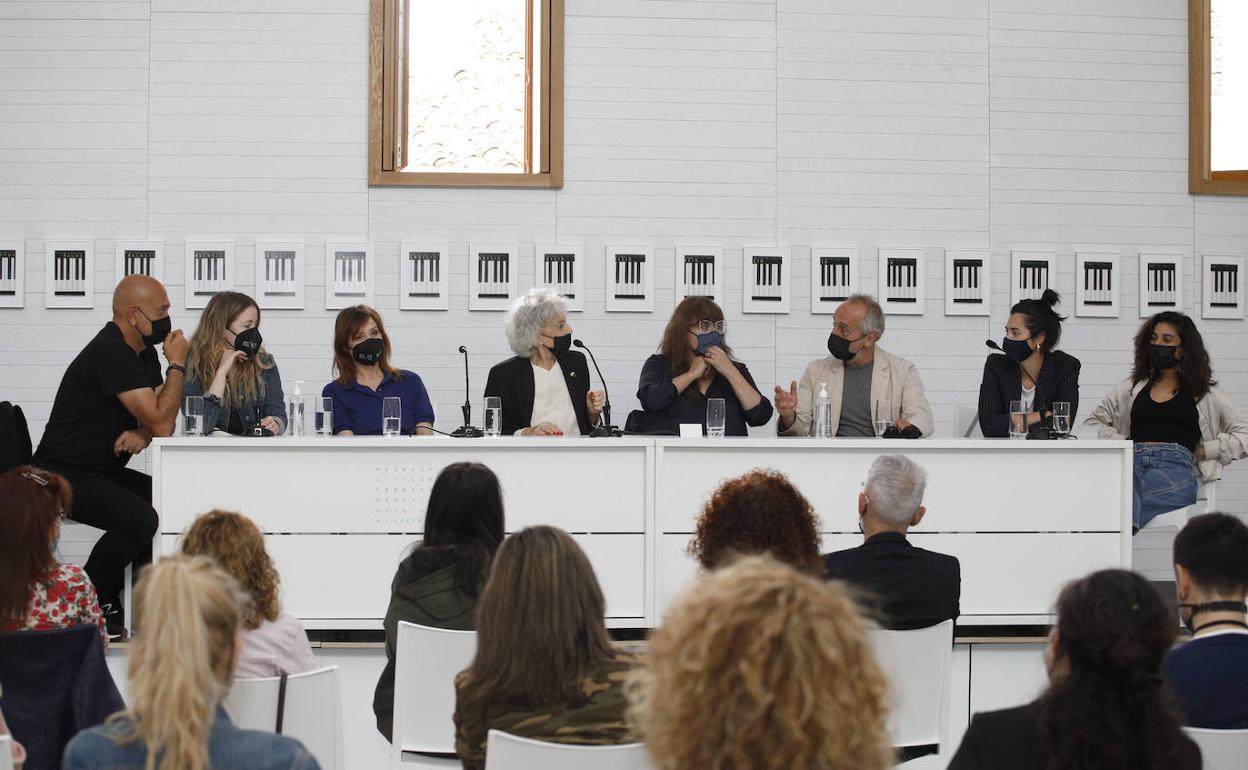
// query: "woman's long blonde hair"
[[187, 617], [759, 667], [244, 382], [236, 544]]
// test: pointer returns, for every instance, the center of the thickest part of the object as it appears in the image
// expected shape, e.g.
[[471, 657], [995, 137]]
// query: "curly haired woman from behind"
[[188, 615], [1106, 707], [273, 642], [760, 512], [759, 667]]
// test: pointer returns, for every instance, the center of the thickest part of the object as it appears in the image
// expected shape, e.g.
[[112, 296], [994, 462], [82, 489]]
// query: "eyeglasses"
[[706, 327]]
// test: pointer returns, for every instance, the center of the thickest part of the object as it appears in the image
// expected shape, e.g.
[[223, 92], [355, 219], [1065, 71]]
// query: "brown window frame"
[[1202, 179], [387, 106]]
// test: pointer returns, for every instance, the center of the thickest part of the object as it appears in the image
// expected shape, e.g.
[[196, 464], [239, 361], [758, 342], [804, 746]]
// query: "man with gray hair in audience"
[[906, 587], [858, 375]]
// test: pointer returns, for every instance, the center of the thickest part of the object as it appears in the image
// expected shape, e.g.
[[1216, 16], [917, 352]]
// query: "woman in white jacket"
[[1182, 423]]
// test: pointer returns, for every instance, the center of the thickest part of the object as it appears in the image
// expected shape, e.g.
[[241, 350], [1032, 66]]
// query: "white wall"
[[997, 124]]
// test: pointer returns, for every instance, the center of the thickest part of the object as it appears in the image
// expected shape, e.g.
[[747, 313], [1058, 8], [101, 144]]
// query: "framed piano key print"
[[492, 275], [279, 275], [139, 258], [350, 274], [766, 286], [561, 268], [423, 268], [12, 273], [901, 273], [700, 273], [630, 279], [833, 277], [1031, 272], [1161, 283], [1222, 286], [968, 282], [209, 269], [1096, 284], [69, 277]]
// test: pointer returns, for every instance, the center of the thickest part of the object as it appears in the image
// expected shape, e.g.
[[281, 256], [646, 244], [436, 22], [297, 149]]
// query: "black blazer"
[[512, 381], [1008, 740], [1058, 381], [907, 587]]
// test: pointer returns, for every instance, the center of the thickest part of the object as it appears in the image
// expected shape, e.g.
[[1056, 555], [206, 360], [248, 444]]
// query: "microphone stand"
[[605, 428], [467, 430], [1040, 431]]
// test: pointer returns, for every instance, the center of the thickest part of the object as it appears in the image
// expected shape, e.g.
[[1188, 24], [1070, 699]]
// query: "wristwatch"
[[179, 367]]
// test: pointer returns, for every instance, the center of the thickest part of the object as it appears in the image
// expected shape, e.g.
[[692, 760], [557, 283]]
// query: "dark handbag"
[[910, 432]]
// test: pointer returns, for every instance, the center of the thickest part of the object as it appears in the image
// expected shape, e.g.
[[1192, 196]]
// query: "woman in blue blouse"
[[694, 364], [365, 378]]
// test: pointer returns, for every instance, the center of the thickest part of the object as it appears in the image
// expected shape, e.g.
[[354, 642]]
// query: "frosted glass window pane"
[[466, 89], [1228, 109]]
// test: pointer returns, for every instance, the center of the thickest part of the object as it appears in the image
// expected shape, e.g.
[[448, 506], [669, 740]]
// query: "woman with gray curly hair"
[[545, 387]]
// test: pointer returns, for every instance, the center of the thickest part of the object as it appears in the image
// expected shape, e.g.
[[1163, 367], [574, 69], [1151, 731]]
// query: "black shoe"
[[114, 621]]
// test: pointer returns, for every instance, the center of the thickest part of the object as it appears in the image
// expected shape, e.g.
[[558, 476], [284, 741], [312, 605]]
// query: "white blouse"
[[551, 402]]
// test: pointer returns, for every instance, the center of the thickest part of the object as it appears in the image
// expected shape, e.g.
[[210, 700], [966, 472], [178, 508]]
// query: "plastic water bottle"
[[823, 413], [296, 410]]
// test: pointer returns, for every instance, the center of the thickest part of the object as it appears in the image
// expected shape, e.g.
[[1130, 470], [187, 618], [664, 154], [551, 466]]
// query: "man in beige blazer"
[[857, 374]]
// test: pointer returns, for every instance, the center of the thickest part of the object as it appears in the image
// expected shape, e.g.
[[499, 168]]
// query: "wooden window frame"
[[1202, 179], [387, 107]]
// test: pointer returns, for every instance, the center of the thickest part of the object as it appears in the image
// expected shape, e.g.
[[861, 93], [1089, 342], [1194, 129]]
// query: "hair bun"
[[1050, 297]]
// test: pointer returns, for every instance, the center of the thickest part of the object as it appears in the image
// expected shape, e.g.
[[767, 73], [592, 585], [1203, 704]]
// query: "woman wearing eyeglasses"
[[695, 364]]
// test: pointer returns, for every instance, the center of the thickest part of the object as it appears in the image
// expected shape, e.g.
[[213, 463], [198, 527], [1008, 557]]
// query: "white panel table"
[[1023, 517]]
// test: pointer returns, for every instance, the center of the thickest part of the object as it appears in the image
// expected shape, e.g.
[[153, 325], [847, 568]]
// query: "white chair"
[[426, 663], [311, 713], [504, 751], [1220, 749], [918, 667], [6, 752]]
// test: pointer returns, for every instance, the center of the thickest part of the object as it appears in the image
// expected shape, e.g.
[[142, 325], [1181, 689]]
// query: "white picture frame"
[[209, 270], [1098, 284], [281, 268], [1161, 283], [493, 276], [1222, 286], [1031, 272], [630, 279], [699, 273], [767, 279], [424, 270], [968, 282], [69, 274], [902, 280], [562, 268], [139, 258], [12, 274], [344, 284], [833, 277]]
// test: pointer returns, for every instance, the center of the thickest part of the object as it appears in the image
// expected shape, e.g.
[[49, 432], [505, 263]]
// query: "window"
[[1218, 96], [466, 93]]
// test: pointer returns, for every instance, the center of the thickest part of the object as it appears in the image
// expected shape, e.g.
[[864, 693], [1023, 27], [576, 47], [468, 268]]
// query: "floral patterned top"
[[64, 598]]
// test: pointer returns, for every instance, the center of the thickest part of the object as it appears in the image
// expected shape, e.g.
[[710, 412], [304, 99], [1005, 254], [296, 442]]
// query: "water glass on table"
[[881, 417], [324, 416], [1061, 418], [1018, 418], [193, 412], [493, 416], [391, 415], [716, 416]]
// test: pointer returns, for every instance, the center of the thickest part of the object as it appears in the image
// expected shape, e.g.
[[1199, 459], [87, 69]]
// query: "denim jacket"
[[107, 748], [217, 414]]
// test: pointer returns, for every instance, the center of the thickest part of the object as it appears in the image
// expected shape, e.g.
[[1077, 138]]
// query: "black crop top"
[[1172, 422]]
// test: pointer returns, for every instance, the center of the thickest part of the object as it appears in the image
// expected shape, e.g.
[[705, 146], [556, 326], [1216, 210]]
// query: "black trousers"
[[121, 505]]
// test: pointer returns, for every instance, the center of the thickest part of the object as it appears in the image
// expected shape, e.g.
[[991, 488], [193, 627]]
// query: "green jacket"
[[423, 592]]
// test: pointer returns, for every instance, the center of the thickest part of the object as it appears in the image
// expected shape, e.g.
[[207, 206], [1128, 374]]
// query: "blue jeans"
[[1165, 480]]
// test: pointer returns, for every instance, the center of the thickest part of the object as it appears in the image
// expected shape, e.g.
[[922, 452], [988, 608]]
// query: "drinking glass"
[[391, 415], [324, 416], [1018, 418], [193, 410], [493, 416], [881, 417], [716, 414], [1061, 418]]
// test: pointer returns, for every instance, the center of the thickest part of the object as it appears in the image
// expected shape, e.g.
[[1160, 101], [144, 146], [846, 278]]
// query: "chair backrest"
[[504, 751], [426, 663], [968, 422], [311, 714], [6, 752], [917, 664], [1220, 749]]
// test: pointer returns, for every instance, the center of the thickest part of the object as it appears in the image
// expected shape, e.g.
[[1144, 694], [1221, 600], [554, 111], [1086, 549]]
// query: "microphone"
[[467, 430], [1039, 431], [605, 428]]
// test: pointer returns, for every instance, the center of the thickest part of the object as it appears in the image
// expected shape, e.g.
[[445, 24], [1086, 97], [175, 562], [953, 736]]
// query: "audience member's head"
[[236, 544], [758, 666], [540, 626], [1211, 563], [32, 503], [760, 512], [465, 518], [1105, 705], [188, 615], [892, 496]]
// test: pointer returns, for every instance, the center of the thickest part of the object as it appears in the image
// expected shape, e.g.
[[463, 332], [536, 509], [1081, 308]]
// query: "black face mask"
[[248, 341], [369, 351], [838, 346], [1162, 357], [563, 343], [160, 329]]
